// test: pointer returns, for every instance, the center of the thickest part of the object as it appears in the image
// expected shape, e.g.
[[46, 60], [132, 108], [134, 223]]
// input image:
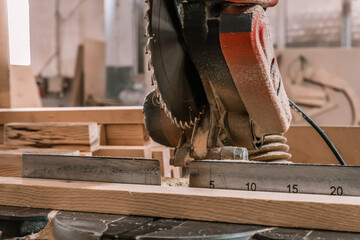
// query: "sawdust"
[[175, 182]]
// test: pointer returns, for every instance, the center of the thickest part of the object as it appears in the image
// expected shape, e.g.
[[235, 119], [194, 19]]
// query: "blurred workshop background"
[[92, 53]]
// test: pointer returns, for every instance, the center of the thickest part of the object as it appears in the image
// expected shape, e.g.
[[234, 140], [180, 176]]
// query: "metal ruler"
[[272, 177], [96, 169]]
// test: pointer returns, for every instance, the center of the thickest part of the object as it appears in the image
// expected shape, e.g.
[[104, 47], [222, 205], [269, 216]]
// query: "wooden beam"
[[78, 136], [127, 135], [22, 78], [94, 69], [306, 145], [4, 57], [101, 115], [77, 84], [124, 151], [336, 213]]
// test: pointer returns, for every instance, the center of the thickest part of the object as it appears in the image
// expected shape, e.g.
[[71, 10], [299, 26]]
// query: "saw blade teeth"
[[148, 33], [177, 123]]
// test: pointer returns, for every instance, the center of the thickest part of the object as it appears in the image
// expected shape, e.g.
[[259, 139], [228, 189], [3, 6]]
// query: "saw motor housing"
[[230, 92]]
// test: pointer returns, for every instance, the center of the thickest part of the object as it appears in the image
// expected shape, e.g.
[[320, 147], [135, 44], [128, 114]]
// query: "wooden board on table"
[[306, 145], [10, 159], [101, 115], [79, 136], [338, 213], [127, 135]]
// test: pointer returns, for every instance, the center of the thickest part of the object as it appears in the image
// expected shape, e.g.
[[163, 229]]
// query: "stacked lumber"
[[94, 131], [113, 119]]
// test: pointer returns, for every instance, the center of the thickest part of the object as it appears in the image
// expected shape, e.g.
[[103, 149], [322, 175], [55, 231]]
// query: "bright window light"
[[19, 32]]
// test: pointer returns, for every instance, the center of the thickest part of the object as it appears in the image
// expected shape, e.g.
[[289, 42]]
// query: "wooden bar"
[[100, 115], [306, 145], [124, 151], [126, 135], [78, 136], [4, 57], [336, 213]]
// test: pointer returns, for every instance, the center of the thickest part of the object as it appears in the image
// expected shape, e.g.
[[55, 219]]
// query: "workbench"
[[17, 222]]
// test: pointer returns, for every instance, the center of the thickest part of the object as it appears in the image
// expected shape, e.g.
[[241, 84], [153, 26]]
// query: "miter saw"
[[219, 94]]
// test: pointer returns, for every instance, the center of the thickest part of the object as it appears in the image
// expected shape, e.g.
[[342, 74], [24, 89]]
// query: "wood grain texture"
[[10, 164], [4, 57], [79, 136], [77, 84], [306, 145], [274, 209], [124, 151], [23, 90], [101, 115], [127, 135], [102, 134], [94, 69]]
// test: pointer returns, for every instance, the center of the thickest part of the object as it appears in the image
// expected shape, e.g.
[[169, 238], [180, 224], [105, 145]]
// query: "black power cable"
[[320, 131]]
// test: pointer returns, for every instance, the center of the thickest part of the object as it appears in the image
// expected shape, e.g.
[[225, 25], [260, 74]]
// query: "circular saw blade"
[[179, 86]]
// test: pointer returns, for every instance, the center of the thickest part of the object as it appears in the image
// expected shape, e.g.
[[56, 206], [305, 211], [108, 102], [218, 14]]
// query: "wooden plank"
[[77, 85], [100, 169], [10, 164], [94, 69], [79, 136], [336, 213], [124, 151], [4, 57], [162, 154], [101, 115], [127, 135], [306, 146], [24, 91], [10, 160]]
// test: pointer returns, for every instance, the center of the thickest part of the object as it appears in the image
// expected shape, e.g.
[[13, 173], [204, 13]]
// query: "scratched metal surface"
[[271, 177]]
